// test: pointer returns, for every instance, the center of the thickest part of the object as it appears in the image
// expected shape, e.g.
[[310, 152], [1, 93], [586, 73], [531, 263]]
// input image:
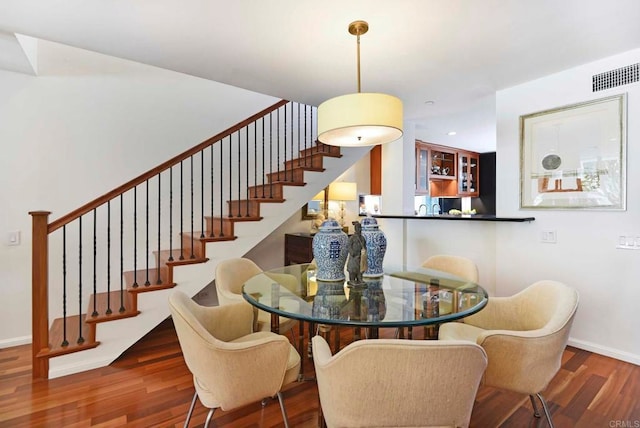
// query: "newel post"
[[39, 293]]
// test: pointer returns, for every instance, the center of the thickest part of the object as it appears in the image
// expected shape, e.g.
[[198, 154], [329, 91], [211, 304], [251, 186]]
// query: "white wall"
[[510, 256], [85, 125], [585, 255]]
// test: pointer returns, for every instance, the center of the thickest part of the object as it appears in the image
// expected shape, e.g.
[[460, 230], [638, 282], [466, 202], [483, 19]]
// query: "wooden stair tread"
[[141, 276], [112, 298], [268, 200], [56, 337], [187, 260]]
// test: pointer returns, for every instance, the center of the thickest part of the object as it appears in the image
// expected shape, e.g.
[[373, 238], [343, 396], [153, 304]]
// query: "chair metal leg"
[[536, 412], [190, 412], [209, 416], [284, 412], [546, 409]]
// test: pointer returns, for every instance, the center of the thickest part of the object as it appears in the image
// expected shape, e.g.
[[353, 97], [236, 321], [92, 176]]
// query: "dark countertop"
[[476, 217]]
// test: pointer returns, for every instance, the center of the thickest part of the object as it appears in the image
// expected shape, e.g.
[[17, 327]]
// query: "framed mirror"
[[315, 206]]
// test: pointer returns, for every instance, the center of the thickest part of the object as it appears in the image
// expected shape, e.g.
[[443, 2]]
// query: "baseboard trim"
[[606, 351], [15, 341]]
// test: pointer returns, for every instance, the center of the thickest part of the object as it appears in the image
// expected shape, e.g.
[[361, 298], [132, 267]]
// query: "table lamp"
[[342, 191]]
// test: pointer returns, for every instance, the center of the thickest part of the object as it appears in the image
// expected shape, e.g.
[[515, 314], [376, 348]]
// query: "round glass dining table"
[[415, 297]]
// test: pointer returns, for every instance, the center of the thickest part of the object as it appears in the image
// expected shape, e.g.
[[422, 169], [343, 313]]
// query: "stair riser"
[[314, 161], [213, 226], [274, 191], [323, 149], [193, 246], [244, 208], [296, 175]]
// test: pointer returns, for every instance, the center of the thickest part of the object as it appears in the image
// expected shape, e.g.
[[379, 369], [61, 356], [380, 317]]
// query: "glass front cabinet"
[[445, 171], [468, 174]]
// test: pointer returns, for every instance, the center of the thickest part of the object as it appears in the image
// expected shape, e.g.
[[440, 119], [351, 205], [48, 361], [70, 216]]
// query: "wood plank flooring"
[[150, 386]]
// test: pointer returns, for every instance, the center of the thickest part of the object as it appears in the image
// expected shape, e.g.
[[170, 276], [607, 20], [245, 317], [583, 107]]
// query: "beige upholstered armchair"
[[394, 382], [455, 265], [231, 366], [524, 336], [232, 273]]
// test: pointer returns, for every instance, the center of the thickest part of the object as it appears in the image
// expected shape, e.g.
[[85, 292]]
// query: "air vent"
[[618, 77]]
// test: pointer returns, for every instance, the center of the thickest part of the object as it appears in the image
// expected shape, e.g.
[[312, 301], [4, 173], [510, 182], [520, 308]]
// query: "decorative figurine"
[[357, 260]]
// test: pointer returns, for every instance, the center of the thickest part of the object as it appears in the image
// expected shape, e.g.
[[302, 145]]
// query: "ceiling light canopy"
[[360, 119]]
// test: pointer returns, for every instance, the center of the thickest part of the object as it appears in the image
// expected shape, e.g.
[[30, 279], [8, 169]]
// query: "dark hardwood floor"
[[150, 386]]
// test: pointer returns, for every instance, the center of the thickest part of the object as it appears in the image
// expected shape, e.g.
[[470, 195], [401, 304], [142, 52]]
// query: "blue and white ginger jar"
[[330, 251], [376, 247]]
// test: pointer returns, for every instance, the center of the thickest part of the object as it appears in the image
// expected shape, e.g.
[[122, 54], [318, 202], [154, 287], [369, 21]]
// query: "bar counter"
[[474, 217]]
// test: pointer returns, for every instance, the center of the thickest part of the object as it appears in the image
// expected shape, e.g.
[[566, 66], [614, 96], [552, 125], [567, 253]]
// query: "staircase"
[[112, 263]]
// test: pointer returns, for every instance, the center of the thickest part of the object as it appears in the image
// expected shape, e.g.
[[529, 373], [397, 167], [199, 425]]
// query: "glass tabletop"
[[409, 298]]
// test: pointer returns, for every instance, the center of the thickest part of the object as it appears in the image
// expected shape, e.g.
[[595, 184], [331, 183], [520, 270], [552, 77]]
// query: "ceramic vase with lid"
[[330, 251], [376, 247]]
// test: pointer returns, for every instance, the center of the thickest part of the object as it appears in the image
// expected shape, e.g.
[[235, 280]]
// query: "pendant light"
[[360, 119]]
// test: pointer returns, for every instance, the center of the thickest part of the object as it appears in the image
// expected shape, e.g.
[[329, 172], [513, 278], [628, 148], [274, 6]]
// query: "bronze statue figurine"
[[357, 261]]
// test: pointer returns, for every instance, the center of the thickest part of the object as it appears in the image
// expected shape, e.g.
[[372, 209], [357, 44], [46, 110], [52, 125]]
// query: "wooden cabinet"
[[445, 171], [468, 174], [433, 163], [298, 248]]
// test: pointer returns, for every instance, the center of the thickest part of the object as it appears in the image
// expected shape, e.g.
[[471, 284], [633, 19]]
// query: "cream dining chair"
[[524, 336], [231, 365], [398, 383], [455, 265], [232, 273]]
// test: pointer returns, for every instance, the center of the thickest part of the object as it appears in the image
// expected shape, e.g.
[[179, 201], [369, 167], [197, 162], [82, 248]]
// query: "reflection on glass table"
[[416, 297]]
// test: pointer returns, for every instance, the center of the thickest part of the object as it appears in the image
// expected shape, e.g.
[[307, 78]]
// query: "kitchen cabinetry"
[[468, 174], [433, 163], [445, 171]]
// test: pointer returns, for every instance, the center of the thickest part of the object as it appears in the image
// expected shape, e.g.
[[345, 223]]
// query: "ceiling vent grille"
[[618, 77]]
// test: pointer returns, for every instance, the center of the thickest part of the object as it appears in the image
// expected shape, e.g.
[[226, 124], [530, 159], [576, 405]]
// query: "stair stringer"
[[117, 336]]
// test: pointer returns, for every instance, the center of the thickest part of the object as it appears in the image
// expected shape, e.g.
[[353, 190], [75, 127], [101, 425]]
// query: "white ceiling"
[[456, 53]]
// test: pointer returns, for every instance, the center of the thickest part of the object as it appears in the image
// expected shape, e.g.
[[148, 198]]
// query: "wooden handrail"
[[158, 169]]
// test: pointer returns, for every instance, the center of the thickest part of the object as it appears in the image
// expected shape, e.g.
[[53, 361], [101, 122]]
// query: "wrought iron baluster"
[[65, 342], [80, 338], [146, 282], [284, 145], [109, 311], [271, 154], [221, 234], [181, 212], [95, 292], [292, 144], [202, 193], [278, 153], [309, 153], [135, 237], [158, 274], [305, 157], [211, 233], [263, 162], [230, 175], [239, 203], [170, 215], [191, 185], [122, 254], [255, 159], [246, 168]]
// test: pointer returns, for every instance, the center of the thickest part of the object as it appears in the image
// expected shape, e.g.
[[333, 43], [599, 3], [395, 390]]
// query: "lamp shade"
[[343, 191], [360, 119]]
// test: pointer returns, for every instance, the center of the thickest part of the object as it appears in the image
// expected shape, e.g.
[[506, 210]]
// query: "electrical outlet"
[[628, 242], [548, 237]]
